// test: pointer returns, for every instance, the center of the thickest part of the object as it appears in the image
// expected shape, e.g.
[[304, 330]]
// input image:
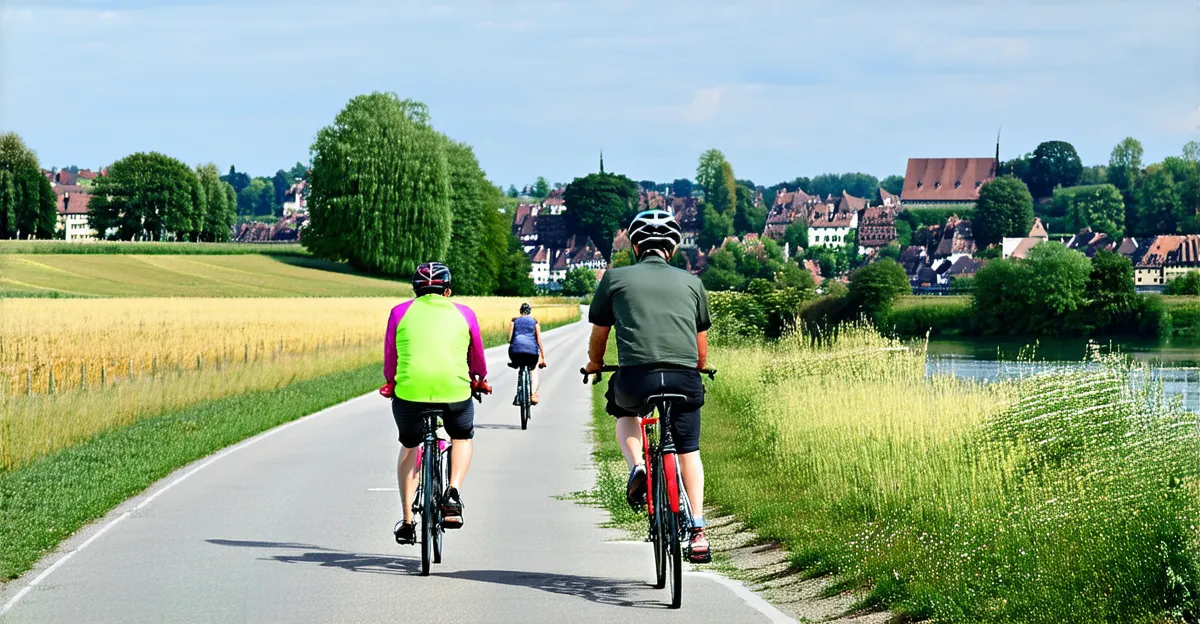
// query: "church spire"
[[996, 164], [601, 161]]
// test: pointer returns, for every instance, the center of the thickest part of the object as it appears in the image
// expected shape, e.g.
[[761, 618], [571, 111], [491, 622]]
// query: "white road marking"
[[752, 600]]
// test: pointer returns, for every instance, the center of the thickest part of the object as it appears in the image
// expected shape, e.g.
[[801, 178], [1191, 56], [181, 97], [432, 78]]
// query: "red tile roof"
[[946, 179], [825, 215], [73, 203], [1172, 250], [888, 199], [851, 203], [1038, 230], [65, 177], [87, 174]]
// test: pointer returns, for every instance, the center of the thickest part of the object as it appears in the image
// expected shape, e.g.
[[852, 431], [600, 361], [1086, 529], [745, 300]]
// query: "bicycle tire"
[[675, 560], [428, 515], [525, 398], [438, 532], [658, 534]]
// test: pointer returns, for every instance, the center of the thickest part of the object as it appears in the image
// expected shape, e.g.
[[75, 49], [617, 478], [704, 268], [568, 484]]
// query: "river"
[[1176, 362]]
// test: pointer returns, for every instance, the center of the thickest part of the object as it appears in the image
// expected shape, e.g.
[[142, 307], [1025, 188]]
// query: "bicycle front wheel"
[[439, 486], [525, 398]]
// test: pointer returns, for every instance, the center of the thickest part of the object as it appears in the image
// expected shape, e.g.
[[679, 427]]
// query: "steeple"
[[996, 164], [602, 161]]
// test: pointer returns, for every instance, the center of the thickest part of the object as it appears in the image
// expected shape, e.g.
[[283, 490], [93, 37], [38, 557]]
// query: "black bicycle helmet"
[[654, 230], [431, 278], [526, 308]]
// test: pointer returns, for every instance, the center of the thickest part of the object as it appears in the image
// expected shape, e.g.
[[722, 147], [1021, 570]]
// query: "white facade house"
[[73, 216], [829, 227]]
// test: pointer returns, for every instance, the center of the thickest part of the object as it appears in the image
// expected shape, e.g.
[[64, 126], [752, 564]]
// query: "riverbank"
[[921, 315]]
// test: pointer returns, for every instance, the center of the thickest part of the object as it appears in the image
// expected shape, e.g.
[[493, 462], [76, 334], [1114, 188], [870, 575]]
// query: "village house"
[[73, 213], [294, 202], [956, 240], [877, 228], [946, 182], [1165, 258], [829, 224], [1089, 243], [1017, 247]]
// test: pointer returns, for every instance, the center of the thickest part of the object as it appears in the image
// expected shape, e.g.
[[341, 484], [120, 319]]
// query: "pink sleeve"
[[389, 342], [476, 362]]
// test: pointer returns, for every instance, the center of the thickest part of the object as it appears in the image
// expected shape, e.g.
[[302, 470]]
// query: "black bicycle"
[[669, 511], [433, 460], [524, 393]]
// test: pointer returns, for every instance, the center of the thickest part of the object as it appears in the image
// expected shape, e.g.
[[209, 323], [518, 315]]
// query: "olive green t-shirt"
[[657, 310]]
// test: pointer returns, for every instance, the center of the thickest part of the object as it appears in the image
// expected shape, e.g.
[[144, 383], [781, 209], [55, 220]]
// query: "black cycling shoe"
[[452, 509], [405, 533], [635, 489]]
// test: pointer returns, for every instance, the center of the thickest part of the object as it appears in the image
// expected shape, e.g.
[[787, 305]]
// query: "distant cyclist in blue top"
[[525, 347]]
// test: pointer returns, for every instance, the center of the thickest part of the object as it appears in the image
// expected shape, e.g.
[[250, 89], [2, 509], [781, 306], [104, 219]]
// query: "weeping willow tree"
[[478, 240], [27, 201], [380, 187]]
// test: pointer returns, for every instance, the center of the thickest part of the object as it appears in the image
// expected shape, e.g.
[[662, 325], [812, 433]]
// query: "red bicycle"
[[669, 510]]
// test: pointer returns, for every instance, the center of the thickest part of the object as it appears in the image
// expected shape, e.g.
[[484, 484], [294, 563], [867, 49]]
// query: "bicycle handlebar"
[[711, 372]]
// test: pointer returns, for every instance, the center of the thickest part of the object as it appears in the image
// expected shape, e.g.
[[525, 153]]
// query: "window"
[[920, 184], [957, 184], [978, 184], [937, 185]]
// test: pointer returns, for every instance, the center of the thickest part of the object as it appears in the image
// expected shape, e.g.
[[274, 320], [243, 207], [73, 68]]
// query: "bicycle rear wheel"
[[658, 530], [439, 486], [428, 514], [525, 398]]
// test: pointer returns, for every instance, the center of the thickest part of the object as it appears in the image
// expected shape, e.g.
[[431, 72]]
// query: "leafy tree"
[[856, 184], [1054, 164], [1186, 176], [647, 185], [1124, 169], [513, 278], [681, 187], [1186, 284], [380, 184], [876, 286], [750, 217], [148, 196], [541, 188], [281, 182], [579, 282], [219, 213], [478, 238], [598, 205], [622, 258], [714, 226], [722, 193], [1042, 294], [236, 179], [1111, 295], [298, 172], [1097, 207], [709, 172], [891, 251], [893, 184], [1005, 208], [1018, 168], [1095, 174], [796, 235], [258, 198], [1158, 207], [904, 233], [28, 205], [512, 191]]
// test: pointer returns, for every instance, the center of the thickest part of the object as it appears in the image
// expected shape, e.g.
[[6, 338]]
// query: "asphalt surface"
[[295, 526]]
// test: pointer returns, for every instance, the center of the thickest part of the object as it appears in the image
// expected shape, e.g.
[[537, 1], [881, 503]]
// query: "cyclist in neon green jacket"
[[432, 357]]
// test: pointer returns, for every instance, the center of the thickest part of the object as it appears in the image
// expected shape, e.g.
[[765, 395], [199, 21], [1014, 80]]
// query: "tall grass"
[[1070, 496], [70, 369]]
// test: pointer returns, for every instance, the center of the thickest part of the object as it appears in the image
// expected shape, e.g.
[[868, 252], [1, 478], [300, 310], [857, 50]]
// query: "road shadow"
[[328, 558], [608, 591]]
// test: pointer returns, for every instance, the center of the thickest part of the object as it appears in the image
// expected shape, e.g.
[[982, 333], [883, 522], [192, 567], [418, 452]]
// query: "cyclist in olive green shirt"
[[661, 316]]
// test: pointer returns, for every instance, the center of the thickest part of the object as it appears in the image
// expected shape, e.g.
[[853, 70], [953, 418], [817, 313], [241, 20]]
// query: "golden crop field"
[[70, 368]]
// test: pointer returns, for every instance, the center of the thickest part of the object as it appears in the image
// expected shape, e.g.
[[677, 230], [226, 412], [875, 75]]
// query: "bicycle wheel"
[[658, 532], [524, 381], [438, 531], [428, 514], [674, 559]]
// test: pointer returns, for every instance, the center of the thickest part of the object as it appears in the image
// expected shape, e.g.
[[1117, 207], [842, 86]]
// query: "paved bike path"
[[296, 527]]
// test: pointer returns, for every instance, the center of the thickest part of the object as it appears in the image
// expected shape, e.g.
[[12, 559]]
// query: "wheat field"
[[71, 368]]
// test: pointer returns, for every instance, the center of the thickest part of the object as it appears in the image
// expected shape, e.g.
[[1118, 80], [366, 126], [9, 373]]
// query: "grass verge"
[[48, 499]]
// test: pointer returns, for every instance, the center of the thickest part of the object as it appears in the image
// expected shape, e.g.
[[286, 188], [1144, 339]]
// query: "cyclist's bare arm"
[[702, 348], [596, 348], [537, 331]]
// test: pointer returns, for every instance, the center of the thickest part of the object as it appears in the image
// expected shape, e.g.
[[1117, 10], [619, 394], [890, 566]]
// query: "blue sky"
[[784, 88]]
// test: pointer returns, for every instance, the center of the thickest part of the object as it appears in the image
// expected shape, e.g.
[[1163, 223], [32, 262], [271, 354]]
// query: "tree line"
[[28, 206], [263, 196], [389, 192]]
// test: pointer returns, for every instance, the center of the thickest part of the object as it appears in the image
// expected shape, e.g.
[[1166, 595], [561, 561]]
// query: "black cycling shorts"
[[523, 359], [458, 419], [629, 387]]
